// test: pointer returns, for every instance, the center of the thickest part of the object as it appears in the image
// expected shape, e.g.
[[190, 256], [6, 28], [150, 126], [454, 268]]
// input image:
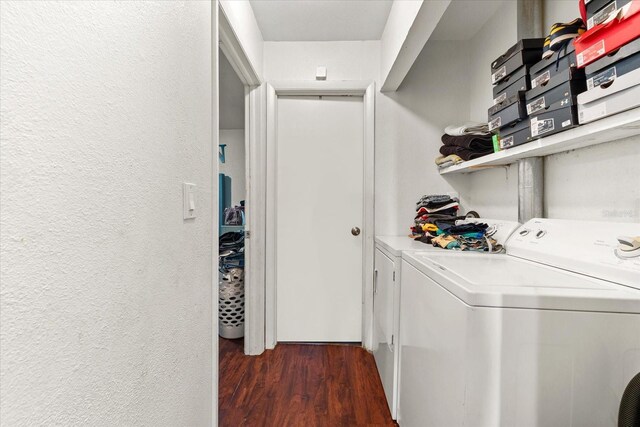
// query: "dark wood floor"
[[300, 385]]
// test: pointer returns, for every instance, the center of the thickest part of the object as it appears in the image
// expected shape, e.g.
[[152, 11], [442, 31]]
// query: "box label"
[[499, 75], [601, 16], [601, 78], [495, 123], [591, 113], [540, 127], [541, 79], [536, 105], [500, 98], [566, 123], [591, 53], [506, 142]]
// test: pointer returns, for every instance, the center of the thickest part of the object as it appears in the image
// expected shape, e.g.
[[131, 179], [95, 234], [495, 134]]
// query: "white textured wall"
[[234, 165], [493, 193], [348, 60], [106, 294]]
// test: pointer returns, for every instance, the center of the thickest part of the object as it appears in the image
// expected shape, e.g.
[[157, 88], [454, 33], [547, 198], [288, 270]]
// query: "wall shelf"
[[612, 128]]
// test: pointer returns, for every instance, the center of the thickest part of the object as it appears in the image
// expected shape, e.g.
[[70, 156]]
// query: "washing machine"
[[386, 304], [546, 335]]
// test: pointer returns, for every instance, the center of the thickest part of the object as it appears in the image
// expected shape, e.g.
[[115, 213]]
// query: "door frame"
[[366, 89], [255, 170]]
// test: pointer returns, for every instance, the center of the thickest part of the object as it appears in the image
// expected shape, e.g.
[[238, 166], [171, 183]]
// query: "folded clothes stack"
[[431, 208], [464, 142], [470, 128], [437, 223]]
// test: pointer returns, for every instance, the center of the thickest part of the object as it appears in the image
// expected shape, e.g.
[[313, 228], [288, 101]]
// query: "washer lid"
[[395, 245], [504, 281]]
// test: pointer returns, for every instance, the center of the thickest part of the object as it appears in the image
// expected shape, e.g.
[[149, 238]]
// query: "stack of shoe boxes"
[[609, 52], [552, 100], [510, 77]]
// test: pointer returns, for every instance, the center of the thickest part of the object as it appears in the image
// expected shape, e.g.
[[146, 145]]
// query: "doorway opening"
[[231, 202]]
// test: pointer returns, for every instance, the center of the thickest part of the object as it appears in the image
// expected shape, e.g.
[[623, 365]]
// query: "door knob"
[[355, 231]]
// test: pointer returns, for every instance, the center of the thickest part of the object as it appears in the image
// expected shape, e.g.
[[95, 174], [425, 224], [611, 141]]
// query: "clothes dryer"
[[387, 290], [546, 335]]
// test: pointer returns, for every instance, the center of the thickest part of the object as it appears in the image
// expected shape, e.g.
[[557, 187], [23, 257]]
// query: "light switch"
[[189, 200]]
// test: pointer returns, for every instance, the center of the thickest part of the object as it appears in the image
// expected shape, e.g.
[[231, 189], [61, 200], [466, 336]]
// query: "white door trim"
[[366, 89], [232, 49], [255, 167]]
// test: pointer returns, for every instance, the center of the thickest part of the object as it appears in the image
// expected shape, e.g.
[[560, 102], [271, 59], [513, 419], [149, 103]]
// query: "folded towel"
[[465, 154], [470, 142], [470, 128]]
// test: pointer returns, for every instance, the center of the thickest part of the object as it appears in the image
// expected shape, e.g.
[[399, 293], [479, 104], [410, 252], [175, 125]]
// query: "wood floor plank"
[[300, 385]]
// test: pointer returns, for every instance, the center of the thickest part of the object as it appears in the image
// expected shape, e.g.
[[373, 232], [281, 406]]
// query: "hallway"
[[300, 385]]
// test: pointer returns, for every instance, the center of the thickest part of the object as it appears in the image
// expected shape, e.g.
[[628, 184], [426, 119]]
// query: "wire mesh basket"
[[231, 303]]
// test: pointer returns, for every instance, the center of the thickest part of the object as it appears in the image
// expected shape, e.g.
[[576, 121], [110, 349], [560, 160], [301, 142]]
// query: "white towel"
[[469, 128]]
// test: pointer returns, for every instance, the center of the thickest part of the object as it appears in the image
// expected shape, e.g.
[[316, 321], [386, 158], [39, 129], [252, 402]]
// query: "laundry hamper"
[[231, 303]]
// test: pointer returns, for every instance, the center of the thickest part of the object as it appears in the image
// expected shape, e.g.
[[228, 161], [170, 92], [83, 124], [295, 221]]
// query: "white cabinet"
[[385, 306]]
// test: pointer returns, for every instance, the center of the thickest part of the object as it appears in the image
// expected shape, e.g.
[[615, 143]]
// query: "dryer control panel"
[[598, 249]]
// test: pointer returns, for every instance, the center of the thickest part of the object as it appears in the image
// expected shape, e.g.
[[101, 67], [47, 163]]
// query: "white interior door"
[[319, 186]]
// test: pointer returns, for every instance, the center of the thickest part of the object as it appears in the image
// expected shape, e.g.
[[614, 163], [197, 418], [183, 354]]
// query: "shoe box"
[[525, 52], [563, 87], [622, 94], [556, 118], [620, 28], [510, 75], [551, 103], [598, 11], [611, 60], [548, 68], [515, 134], [618, 63], [516, 82], [507, 112]]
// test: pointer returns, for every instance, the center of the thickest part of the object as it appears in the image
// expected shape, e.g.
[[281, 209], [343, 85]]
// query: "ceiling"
[[321, 20], [231, 96]]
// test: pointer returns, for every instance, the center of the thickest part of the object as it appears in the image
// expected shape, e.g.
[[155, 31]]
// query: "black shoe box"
[[607, 75], [559, 89], [505, 113], [557, 118], [511, 85], [601, 15], [525, 52], [596, 6], [607, 69], [557, 63], [515, 134]]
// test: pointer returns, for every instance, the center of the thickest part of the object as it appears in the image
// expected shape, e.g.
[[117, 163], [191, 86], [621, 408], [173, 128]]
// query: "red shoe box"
[[612, 34]]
